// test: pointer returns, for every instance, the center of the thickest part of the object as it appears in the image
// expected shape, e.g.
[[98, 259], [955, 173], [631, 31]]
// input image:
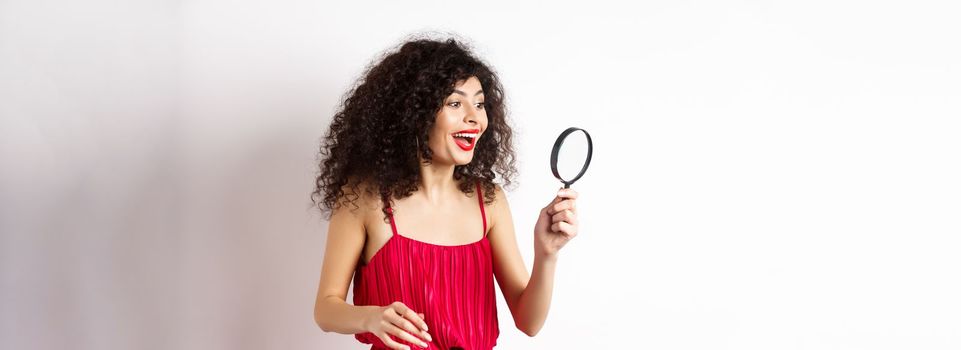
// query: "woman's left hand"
[[557, 224]]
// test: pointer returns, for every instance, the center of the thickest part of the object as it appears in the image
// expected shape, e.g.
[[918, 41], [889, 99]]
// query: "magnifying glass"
[[571, 163]]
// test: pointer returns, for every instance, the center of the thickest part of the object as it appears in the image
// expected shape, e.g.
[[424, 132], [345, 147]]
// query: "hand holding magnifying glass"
[[557, 223]]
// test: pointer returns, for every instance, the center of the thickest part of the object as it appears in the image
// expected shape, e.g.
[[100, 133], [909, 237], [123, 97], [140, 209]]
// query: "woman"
[[416, 218]]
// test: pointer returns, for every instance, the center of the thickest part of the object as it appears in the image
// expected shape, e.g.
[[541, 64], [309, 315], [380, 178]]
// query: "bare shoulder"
[[499, 194], [499, 209], [359, 202]]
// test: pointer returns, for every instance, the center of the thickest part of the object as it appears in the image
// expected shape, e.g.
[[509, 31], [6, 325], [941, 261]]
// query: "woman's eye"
[[454, 104], [480, 105]]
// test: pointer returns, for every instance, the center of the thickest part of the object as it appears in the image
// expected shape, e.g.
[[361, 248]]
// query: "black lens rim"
[[557, 147]]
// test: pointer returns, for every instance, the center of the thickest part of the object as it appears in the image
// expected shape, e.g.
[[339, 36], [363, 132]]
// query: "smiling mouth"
[[466, 139]]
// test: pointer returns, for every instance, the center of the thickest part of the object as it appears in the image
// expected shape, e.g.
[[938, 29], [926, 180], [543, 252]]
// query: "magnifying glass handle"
[[567, 185]]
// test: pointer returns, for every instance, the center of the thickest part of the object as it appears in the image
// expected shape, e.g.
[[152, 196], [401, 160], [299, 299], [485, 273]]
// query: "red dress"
[[453, 286]]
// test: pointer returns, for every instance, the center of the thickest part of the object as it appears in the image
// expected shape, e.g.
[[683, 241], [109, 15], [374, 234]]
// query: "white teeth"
[[465, 135]]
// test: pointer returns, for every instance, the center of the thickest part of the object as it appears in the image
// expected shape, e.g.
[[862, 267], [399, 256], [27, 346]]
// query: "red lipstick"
[[466, 139]]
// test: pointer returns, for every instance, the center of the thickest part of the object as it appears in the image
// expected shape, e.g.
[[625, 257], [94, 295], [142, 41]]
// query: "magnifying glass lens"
[[571, 155], [570, 159]]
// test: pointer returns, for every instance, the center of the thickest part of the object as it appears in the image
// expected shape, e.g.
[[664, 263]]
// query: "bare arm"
[[529, 297], [345, 242]]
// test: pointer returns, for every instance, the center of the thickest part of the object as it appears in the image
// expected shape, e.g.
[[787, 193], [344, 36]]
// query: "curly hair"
[[383, 123]]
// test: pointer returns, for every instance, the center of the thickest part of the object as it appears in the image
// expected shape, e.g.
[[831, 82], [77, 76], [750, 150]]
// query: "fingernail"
[[426, 335]]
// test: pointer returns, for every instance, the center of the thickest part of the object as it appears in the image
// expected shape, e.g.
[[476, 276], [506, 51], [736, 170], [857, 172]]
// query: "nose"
[[471, 116]]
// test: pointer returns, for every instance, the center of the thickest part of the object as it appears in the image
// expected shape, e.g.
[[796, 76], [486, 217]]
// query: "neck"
[[437, 181]]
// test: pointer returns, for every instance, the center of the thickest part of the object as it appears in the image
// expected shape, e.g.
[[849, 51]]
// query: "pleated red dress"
[[453, 286]]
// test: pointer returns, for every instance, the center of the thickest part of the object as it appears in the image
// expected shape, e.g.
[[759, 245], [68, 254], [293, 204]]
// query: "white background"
[[766, 175]]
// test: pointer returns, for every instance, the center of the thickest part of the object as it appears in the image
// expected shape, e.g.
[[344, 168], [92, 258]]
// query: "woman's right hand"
[[400, 321]]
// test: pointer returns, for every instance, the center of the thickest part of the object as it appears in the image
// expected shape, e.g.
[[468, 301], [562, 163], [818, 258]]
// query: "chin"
[[459, 157]]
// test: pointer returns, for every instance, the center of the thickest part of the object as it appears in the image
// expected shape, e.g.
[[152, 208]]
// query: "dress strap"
[[480, 200], [390, 214]]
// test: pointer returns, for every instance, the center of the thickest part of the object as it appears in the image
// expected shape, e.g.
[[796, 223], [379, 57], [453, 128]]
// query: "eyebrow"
[[465, 95]]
